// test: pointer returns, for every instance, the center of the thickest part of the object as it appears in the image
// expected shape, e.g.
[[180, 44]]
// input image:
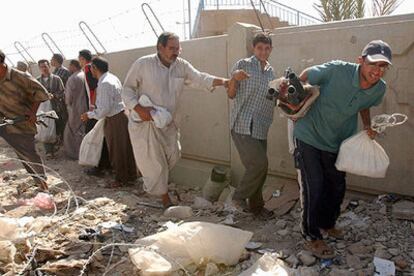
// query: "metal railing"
[[274, 8], [82, 26]]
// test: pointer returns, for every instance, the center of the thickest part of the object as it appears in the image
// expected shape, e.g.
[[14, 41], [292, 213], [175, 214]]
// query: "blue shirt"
[[333, 117], [252, 113]]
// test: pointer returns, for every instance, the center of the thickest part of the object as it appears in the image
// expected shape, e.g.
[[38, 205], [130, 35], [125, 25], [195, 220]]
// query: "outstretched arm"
[[237, 76]]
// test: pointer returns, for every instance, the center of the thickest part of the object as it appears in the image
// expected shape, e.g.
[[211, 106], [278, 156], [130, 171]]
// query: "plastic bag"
[[268, 265], [160, 115], [41, 200], [46, 134], [91, 146], [361, 155], [191, 242]]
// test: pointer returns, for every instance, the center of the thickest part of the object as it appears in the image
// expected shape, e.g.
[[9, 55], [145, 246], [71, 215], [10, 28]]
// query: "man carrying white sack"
[[161, 77], [346, 89], [109, 106]]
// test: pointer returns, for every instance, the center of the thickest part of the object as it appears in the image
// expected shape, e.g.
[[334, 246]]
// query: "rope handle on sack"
[[380, 122]]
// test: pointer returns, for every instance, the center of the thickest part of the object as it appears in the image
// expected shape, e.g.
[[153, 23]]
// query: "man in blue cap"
[[346, 89]]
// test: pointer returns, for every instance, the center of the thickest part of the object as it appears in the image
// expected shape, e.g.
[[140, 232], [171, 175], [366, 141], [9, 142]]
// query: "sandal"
[[319, 249], [335, 233]]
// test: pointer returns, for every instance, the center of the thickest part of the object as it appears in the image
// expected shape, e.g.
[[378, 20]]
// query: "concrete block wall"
[[205, 135]]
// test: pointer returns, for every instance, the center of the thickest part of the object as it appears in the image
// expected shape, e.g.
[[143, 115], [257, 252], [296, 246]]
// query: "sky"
[[119, 25]]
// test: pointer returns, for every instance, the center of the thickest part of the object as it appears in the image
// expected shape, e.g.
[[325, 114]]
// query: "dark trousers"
[[254, 158], [322, 189], [24, 146], [104, 163], [120, 148]]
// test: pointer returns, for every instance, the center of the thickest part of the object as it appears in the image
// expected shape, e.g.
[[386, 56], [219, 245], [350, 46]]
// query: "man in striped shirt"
[[251, 117], [20, 96]]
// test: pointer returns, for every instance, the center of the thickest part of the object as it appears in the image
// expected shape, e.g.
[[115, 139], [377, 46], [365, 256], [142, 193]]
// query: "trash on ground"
[[253, 245], [268, 265], [180, 212], [384, 267], [41, 200], [185, 244]]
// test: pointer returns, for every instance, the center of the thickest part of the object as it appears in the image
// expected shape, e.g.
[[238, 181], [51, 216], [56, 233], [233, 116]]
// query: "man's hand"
[[84, 117], [240, 75], [144, 112], [371, 133]]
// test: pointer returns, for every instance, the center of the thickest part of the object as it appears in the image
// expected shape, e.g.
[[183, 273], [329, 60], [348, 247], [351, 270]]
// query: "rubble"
[[403, 210], [48, 241]]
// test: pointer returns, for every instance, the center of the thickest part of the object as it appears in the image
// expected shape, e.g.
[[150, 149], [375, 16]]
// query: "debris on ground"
[[92, 230]]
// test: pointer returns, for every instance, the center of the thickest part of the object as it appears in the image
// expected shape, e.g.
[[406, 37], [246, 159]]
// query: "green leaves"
[[384, 7], [335, 10]]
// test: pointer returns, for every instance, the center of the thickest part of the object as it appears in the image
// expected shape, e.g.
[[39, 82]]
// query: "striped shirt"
[[18, 93], [252, 113], [63, 73], [108, 97]]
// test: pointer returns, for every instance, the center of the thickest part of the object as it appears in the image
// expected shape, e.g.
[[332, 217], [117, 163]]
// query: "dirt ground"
[[72, 241]]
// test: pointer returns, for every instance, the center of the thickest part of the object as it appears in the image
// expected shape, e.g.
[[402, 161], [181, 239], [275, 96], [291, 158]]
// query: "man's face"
[[53, 62], [72, 68], [82, 61], [44, 68], [94, 71], [171, 51], [262, 51], [372, 72]]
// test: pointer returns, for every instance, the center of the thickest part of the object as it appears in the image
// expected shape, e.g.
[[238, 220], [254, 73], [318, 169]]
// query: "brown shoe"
[[319, 249], [335, 233]]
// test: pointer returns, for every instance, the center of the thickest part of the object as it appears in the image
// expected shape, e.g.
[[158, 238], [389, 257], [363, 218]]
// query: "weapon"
[[288, 93], [42, 115]]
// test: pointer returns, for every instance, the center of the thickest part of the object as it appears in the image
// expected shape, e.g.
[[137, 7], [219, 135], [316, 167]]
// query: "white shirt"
[[108, 97], [163, 85]]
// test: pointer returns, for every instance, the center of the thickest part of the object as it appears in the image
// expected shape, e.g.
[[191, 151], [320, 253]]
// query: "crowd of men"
[[135, 143]]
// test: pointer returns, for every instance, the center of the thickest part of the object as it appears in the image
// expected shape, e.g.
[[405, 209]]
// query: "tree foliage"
[[334, 10]]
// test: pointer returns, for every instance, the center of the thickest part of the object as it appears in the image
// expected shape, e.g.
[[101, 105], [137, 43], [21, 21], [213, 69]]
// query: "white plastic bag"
[[190, 242], [361, 155], [268, 265], [46, 134], [160, 115], [91, 146]]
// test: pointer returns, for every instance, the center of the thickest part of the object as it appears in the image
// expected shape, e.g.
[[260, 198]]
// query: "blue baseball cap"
[[377, 50]]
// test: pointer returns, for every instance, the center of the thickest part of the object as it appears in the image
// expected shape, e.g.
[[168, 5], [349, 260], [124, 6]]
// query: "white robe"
[[157, 150]]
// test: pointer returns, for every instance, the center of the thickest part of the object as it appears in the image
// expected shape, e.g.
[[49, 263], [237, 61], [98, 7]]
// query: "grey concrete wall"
[[205, 134], [217, 22], [300, 48]]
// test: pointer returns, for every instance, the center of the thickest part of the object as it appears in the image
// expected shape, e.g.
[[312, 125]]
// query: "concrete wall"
[[300, 48], [217, 22], [205, 135]]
